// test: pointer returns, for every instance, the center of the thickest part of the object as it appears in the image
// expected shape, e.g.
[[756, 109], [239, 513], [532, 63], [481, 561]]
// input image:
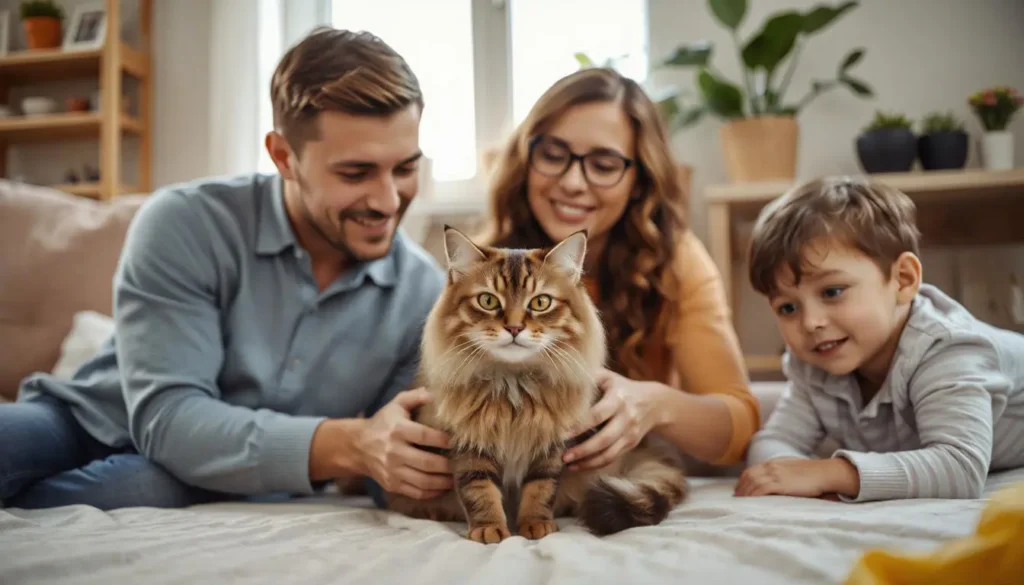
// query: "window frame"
[[492, 84]]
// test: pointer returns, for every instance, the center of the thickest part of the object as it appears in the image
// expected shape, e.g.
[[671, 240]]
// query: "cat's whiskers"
[[478, 349], [454, 352], [569, 354]]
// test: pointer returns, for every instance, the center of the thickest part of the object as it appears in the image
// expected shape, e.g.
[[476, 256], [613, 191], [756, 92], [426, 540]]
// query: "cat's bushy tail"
[[643, 495]]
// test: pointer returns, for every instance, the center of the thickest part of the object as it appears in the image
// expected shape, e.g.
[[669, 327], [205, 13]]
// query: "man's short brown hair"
[[874, 218], [338, 70]]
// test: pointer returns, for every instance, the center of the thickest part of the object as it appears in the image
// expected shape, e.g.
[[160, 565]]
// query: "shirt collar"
[[275, 235]]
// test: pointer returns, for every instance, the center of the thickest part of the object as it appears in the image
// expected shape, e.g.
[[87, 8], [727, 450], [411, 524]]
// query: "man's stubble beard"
[[348, 255]]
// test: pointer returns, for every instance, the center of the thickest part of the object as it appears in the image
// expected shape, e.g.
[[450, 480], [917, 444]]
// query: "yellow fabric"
[[994, 555], [695, 348]]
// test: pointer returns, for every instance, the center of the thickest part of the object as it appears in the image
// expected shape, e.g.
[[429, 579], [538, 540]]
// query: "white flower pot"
[[997, 150]]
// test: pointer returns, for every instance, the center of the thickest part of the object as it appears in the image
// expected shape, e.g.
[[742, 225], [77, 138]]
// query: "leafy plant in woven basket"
[[759, 137], [943, 142], [887, 144]]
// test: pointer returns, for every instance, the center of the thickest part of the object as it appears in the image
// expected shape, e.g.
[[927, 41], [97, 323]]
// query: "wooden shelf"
[[91, 190], [42, 65], [919, 182], [63, 126]]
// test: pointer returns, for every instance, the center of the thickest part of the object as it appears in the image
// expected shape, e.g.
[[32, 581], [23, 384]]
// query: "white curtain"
[[248, 38]]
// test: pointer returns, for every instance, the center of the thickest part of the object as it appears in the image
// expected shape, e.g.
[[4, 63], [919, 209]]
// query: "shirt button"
[[296, 362]]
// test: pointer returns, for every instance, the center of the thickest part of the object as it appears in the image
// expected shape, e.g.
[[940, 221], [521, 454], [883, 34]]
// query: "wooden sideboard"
[[955, 208]]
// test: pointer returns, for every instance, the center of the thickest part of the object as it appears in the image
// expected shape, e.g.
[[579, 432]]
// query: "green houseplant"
[[942, 143], [42, 22], [759, 137], [887, 144]]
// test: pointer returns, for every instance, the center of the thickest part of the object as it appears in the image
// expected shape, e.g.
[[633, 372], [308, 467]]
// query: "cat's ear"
[[568, 255], [462, 253]]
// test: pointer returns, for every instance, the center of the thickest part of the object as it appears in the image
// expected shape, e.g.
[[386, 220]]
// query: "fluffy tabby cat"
[[509, 351]]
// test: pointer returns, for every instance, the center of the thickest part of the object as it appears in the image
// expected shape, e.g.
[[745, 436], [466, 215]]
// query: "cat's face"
[[517, 306]]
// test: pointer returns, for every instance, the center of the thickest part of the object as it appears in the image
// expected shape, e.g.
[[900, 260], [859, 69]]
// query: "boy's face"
[[846, 315]]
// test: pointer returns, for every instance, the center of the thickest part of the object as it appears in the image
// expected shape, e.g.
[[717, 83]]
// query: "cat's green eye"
[[540, 303], [487, 301]]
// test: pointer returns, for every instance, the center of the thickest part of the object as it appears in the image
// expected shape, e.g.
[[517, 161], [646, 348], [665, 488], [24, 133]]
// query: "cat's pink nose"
[[514, 330]]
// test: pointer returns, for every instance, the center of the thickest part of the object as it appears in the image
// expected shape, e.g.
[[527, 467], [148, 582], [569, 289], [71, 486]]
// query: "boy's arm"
[[793, 429], [951, 394]]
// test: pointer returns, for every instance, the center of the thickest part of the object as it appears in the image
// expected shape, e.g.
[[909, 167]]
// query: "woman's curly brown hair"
[[636, 271]]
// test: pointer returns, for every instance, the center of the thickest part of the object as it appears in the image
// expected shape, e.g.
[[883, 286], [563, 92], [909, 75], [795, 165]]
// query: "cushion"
[[58, 253], [89, 331]]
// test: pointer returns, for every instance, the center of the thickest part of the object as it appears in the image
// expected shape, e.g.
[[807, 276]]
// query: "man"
[[257, 317]]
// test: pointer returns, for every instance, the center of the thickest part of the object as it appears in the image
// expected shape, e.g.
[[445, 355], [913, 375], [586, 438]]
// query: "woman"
[[593, 154]]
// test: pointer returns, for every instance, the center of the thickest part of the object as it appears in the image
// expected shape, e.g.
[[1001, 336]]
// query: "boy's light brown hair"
[[874, 218], [338, 70]]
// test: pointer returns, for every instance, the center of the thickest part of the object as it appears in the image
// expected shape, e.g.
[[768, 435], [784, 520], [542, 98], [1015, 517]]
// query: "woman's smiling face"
[[570, 202]]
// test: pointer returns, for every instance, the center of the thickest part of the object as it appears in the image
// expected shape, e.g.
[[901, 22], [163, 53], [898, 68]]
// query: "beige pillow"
[[58, 253]]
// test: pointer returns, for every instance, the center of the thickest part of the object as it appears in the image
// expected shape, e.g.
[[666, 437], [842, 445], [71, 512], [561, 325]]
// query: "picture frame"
[[5, 31], [87, 28]]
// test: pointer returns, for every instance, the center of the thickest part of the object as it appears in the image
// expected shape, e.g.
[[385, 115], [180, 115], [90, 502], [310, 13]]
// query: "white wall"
[[181, 48]]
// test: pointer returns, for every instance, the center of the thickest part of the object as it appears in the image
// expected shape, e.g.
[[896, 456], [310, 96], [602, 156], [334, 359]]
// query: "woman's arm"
[[716, 416]]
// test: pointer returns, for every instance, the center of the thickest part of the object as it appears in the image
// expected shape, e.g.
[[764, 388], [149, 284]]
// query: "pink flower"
[[990, 100]]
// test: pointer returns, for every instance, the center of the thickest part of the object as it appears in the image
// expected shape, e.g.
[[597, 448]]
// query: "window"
[[483, 63], [547, 34], [436, 39]]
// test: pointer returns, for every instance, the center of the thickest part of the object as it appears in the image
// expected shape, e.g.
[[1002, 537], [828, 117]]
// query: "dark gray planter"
[[887, 150], [943, 150]]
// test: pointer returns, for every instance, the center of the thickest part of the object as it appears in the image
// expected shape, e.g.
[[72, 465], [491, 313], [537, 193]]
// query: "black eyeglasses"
[[601, 168]]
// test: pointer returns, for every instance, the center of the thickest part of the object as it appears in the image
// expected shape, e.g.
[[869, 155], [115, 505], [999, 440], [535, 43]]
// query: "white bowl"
[[36, 105]]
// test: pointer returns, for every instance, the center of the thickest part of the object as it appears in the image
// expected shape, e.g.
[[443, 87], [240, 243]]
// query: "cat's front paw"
[[534, 529], [489, 533]]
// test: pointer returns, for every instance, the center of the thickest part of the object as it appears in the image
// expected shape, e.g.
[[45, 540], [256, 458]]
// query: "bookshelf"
[[111, 124]]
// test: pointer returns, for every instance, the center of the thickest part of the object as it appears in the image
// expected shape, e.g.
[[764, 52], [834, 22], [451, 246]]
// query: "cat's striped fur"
[[512, 381]]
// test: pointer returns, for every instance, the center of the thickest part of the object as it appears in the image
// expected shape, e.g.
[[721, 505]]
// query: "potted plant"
[[42, 21], [759, 137], [943, 142], [887, 144], [995, 108]]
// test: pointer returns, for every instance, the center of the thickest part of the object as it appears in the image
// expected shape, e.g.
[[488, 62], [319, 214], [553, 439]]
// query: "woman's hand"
[[630, 408]]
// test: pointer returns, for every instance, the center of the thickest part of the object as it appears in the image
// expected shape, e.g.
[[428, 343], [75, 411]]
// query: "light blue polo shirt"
[[226, 355]]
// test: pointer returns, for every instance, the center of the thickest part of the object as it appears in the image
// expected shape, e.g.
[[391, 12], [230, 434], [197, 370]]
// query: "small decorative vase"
[[942, 150], [887, 150], [997, 150]]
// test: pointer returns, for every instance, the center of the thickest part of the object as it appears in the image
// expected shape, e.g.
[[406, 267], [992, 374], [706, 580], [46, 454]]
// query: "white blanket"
[[712, 538]]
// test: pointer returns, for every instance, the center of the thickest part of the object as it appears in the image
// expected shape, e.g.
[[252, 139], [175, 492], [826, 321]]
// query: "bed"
[[712, 538]]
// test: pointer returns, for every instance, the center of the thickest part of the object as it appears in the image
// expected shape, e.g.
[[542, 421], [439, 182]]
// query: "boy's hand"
[[808, 478]]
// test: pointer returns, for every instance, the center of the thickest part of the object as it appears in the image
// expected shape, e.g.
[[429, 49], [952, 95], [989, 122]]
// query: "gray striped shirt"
[[950, 410]]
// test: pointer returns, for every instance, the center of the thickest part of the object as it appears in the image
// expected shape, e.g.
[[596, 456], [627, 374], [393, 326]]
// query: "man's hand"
[[381, 447], [809, 478], [385, 450]]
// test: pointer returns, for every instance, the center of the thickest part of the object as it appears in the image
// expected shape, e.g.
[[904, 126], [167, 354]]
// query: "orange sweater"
[[695, 348]]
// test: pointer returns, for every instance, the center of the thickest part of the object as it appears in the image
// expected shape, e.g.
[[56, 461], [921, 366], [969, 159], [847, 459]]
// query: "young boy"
[[922, 398]]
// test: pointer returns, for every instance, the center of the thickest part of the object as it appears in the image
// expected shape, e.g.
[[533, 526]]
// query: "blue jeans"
[[47, 459]]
